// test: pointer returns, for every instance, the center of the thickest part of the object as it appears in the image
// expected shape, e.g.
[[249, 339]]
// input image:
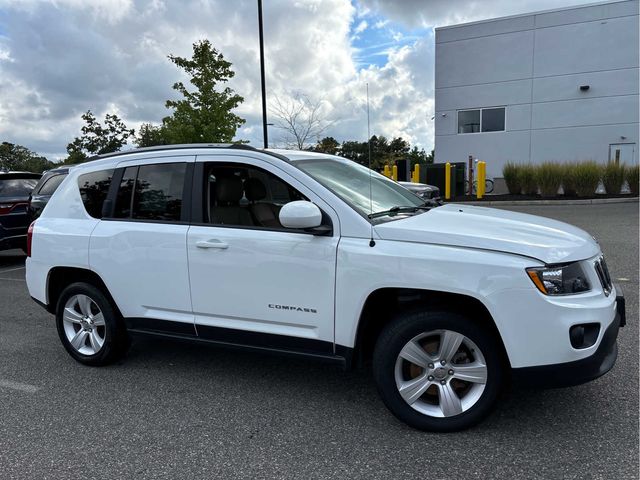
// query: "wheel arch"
[[60, 278], [383, 304]]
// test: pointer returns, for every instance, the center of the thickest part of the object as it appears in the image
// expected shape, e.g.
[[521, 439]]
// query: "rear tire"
[[438, 371], [90, 328]]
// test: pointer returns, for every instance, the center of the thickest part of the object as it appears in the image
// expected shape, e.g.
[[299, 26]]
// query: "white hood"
[[491, 229]]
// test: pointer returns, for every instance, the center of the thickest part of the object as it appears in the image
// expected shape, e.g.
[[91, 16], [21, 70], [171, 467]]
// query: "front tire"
[[437, 371], [89, 327]]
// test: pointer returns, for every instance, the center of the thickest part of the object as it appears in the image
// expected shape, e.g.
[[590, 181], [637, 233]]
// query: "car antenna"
[[372, 242]]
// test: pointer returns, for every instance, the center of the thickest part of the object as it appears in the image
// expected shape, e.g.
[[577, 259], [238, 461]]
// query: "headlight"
[[559, 280]]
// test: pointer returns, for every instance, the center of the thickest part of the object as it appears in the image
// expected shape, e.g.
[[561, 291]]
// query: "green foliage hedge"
[[548, 177], [576, 178], [632, 175]]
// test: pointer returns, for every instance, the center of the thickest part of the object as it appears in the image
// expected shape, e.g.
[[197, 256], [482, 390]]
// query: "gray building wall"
[[534, 65]]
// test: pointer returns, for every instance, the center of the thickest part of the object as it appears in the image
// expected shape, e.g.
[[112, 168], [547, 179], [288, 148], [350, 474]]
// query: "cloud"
[[380, 24], [430, 13], [64, 57], [59, 58], [361, 27]]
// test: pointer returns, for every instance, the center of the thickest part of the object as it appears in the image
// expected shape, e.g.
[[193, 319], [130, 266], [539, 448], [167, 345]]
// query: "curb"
[[590, 201]]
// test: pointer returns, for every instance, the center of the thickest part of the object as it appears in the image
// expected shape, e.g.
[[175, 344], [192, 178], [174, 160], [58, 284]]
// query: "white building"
[[554, 85]]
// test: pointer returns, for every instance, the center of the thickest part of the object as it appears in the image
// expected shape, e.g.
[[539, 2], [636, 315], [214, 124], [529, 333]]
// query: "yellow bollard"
[[416, 173], [482, 177], [387, 171], [447, 181], [394, 172]]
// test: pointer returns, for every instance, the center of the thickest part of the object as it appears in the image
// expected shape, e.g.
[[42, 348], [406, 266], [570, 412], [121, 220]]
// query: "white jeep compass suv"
[[314, 255]]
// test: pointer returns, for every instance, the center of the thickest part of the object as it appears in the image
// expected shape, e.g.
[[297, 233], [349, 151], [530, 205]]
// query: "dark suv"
[[42, 192], [15, 188]]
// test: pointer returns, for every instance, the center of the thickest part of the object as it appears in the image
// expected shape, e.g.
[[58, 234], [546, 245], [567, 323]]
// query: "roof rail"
[[156, 148]]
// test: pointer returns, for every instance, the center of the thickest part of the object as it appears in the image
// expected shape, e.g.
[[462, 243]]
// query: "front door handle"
[[212, 243]]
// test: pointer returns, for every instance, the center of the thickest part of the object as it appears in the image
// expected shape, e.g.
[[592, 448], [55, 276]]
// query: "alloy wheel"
[[441, 373], [84, 324]]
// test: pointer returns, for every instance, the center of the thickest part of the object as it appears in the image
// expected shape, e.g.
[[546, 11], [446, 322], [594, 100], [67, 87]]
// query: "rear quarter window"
[[94, 187]]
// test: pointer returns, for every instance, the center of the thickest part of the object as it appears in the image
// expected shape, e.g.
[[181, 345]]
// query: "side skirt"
[[281, 345]]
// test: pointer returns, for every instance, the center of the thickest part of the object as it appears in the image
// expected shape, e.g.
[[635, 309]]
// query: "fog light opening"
[[584, 335]]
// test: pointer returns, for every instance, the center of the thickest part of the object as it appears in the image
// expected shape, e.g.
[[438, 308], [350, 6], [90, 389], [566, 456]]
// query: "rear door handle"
[[212, 243]]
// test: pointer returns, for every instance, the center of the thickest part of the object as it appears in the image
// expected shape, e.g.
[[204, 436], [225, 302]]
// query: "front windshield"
[[350, 181]]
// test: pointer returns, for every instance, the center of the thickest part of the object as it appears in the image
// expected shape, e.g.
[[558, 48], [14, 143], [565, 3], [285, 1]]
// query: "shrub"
[[613, 177], [632, 175], [548, 176], [511, 174], [587, 177], [569, 178], [527, 178]]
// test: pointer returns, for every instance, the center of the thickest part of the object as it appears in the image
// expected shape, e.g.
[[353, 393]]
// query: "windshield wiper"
[[395, 210]]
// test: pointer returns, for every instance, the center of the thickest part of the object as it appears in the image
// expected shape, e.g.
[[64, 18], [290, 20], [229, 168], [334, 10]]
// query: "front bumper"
[[580, 371]]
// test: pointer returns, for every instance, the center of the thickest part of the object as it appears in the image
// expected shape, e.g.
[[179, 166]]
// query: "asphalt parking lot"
[[172, 410]]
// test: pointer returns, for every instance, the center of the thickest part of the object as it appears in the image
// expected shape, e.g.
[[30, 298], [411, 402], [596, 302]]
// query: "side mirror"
[[301, 215]]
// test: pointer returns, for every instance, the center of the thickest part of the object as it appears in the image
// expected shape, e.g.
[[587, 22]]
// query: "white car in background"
[[307, 254]]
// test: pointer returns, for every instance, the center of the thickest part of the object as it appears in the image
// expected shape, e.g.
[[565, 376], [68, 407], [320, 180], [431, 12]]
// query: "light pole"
[[264, 93]]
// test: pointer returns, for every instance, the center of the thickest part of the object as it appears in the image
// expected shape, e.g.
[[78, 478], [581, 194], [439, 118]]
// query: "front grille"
[[603, 274]]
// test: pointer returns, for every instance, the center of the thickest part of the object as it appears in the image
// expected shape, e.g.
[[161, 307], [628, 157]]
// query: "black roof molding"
[[184, 146], [181, 146]]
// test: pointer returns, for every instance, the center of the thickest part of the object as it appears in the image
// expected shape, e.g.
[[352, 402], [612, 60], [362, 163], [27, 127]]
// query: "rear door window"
[[151, 192], [94, 187]]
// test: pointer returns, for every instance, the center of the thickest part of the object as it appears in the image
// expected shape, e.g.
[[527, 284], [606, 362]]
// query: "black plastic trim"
[[265, 340], [574, 373], [109, 203], [346, 353], [621, 304], [197, 194], [184, 146], [42, 304], [241, 339], [185, 212], [150, 325]]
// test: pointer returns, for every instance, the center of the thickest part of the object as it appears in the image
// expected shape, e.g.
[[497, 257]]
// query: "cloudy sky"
[[59, 58]]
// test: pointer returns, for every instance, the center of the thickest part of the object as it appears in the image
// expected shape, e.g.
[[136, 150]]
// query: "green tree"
[[204, 114], [398, 149], [419, 156], [379, 151], [150, 135], [17, 157], [356, 151], [327, 145], [97, 139]]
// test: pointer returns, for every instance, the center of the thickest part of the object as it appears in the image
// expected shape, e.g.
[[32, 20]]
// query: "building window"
[[481, 120], [493, 119], [469, 121]]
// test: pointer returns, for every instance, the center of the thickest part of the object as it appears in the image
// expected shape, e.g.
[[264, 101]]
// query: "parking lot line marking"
[[14, 279], [11, 269], [23, 387]]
